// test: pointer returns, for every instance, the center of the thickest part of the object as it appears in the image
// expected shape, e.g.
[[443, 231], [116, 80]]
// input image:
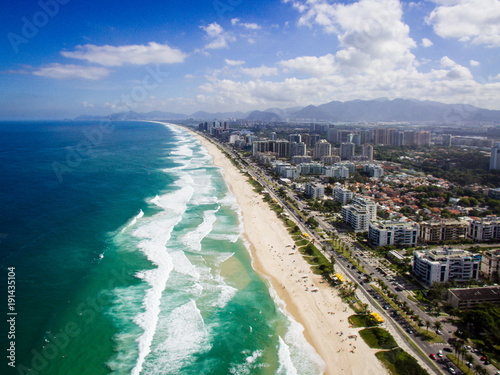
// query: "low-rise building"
[[442, 230], [441, 265], [466, 298], [336, 171], [395, 232]]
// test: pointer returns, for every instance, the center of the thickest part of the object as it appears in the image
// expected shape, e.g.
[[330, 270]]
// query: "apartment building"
[[342, 194], [395, 232], [490, 265], [441, 265], [485, 229], [442, 230], [359, 213]]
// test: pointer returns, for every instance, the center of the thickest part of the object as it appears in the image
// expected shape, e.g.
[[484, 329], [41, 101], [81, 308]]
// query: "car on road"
[[440, 354], [432, 356], [483, 358], [409, 330], [448, 349], [451, 370]]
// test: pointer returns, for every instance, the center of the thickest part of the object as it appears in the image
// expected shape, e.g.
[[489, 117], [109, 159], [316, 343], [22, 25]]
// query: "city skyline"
[[63, 59]]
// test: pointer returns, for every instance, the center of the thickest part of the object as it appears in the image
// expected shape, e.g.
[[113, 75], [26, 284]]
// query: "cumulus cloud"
[[371, 33], [234, 62], [251, 26], [474, 63], [60, 71], [426, 43], [260, 71], [476, 21], [316, 66], [218, 38], [153, 53]]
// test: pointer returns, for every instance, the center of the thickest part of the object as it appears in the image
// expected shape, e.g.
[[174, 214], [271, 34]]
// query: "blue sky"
[[63, 58]]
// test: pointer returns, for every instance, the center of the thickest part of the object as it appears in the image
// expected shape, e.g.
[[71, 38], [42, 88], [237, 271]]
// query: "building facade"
[[490, 265], [342, 195], [359, 214], [466, 298], [315, 191], [441, 265], [384, 233], [485, 229], [442, 230]]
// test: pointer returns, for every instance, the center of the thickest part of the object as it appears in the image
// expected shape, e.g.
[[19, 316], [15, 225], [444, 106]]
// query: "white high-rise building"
[[367, 151], [322, 148], [495, 156], [347, 151], [360, 213], [341, 194]]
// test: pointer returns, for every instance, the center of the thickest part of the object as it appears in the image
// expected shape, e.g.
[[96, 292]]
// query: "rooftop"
[[486, 293]]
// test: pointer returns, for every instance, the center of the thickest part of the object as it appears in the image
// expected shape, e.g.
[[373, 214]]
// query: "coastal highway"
[[342, 265]]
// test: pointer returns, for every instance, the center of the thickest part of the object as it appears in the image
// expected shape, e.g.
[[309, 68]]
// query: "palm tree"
[[462, 352], [469, 358], [457, 345], [428, 324], [437, 325], [477, 368]]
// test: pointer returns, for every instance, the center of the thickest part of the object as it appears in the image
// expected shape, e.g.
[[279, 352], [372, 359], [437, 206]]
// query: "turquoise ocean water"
[[129, 259]]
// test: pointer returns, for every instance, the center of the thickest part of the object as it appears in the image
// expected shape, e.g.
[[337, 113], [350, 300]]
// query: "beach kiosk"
[[376, 316]]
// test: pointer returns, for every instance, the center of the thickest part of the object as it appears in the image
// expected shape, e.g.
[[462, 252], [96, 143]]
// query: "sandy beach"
[[322, 313]]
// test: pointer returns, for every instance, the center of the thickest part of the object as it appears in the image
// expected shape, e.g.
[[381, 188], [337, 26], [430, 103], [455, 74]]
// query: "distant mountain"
[[377, 110], [385, 110], [206, 116], [263, 116]]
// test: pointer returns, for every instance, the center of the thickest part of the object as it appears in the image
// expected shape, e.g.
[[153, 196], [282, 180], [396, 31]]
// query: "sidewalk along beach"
[[310, 301]]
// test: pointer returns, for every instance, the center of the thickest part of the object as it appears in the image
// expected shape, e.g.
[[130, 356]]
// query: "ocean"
[[125, 248]]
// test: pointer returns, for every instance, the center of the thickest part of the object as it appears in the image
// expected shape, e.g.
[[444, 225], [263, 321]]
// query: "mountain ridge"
[[376, 110]]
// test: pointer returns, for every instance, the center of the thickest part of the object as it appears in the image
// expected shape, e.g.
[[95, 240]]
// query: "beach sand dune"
[[311, 302]]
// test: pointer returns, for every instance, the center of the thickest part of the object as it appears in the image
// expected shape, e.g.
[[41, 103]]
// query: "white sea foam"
[[181, 335], [133, 221], [248, 366], [193, 239], [183, 265], [286, 366], [154, 235], [224, 237]]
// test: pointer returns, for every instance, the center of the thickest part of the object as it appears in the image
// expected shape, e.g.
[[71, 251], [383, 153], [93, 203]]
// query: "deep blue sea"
[[127, 255]]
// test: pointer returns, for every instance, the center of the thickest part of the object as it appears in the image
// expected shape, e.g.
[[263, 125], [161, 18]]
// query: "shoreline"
[[322, 314]]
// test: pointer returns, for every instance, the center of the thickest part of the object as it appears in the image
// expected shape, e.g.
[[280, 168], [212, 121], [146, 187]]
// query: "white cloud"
[[259, 72], [472, 20], [153, 53], [234, 62], [315, 66], [87, 105], [371, 33], [60, 71], [426, 43], [474, 63], [251, 26], [217, 37]]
